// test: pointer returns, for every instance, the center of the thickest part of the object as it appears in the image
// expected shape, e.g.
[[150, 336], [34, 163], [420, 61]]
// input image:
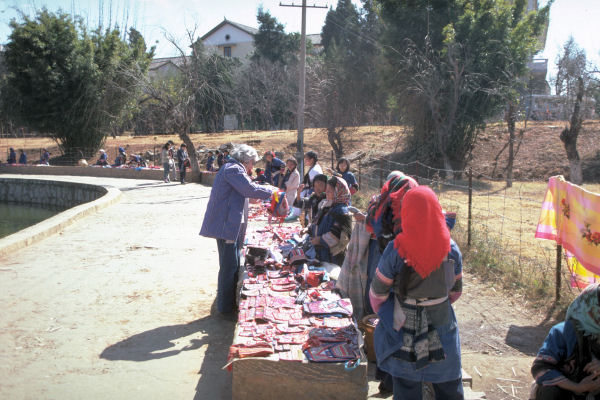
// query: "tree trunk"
[[191, 152], [569, 137], [335, 140], [510, 121]]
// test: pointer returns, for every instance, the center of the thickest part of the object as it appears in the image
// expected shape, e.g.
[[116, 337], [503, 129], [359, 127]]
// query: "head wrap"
[[585, 311], [383, 213], [425, 240], [341, 193]]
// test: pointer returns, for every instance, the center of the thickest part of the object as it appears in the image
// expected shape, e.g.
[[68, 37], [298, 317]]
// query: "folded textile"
[[259, 349], [341, 306], [352, 280], [336, 352]]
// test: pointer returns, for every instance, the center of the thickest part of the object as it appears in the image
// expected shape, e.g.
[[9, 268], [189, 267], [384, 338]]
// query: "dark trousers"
[[412, 390], [557, 393], [182, 173], [229, 263]]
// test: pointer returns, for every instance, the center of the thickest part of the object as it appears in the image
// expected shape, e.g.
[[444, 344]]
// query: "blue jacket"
[[209, 163], [223, 217], [273, 168]]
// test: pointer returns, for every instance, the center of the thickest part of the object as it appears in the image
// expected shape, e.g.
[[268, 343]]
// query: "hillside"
[[541, 153]]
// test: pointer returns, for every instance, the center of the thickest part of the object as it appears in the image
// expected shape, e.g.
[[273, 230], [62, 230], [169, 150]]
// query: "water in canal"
[[16, 216]]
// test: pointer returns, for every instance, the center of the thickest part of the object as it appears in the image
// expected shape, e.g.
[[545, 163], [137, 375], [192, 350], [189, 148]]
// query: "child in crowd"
[[260, 176]]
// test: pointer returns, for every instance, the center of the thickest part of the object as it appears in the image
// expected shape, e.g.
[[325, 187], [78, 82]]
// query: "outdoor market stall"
[[295, 336]]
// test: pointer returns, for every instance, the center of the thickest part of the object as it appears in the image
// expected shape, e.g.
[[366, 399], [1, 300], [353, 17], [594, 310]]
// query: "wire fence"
[[495, 222]]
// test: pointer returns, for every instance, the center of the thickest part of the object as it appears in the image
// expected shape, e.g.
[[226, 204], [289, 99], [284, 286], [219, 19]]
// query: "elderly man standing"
[[226, 218]]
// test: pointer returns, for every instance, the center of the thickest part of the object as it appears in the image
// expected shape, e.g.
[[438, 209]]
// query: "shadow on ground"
[[214, 383]]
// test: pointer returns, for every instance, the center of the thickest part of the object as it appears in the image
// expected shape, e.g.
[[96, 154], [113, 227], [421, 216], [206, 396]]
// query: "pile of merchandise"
[[288, 307]]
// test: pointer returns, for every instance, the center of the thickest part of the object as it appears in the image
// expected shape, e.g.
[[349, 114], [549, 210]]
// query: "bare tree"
[[176, 96], [571, 82]]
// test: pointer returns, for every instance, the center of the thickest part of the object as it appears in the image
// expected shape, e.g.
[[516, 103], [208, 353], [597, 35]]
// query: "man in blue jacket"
[[226, 218]]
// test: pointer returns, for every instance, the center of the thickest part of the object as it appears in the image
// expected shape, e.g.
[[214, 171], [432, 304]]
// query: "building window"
[[227, 51]]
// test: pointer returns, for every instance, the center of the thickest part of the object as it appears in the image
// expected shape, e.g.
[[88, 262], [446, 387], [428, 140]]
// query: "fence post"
[[359, 174], [558, 267], [332, 160], [381, 173], [470, 206], [154, 156]]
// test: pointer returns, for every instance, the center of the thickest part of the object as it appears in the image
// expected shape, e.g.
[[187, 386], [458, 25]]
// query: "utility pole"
[[302, 83]]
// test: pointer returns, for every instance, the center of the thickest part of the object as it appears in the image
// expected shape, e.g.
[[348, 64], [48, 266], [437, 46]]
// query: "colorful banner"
[[571, 217]]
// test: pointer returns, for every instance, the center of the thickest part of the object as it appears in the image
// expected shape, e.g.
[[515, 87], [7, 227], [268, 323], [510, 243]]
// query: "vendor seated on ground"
[[12, 156], [210, 162], [121, 158], [22, 157], [103, 160], [331, 231], [260, 177], [567, 366], [136, 161], [310, 204], [45, 158]]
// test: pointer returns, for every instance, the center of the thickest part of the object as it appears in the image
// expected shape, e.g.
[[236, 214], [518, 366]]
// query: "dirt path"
[[500, 336], [118, 306]]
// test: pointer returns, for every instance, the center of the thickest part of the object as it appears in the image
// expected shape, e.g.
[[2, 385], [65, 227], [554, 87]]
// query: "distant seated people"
[[22, 157], [103, 160], [568, 363], [12, 156], [330, 233], [137, 161], [260, 176], [274, 167], [210, 161], [220, 159], [310, 204], [343, 167], [45, 158], [226, 157], [121, 158]]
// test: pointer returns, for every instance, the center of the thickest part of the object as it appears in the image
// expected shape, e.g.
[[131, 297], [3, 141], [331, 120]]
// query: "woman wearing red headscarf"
[[418, 277], [331, 230]]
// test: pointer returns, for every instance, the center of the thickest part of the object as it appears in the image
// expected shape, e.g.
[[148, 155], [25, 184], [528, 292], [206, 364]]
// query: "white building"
[[230, 39]]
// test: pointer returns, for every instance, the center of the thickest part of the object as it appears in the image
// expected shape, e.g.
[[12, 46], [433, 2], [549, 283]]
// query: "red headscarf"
[[425, 240]]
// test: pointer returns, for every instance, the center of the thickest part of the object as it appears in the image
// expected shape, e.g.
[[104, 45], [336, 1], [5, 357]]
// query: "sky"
[[153, 18]]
